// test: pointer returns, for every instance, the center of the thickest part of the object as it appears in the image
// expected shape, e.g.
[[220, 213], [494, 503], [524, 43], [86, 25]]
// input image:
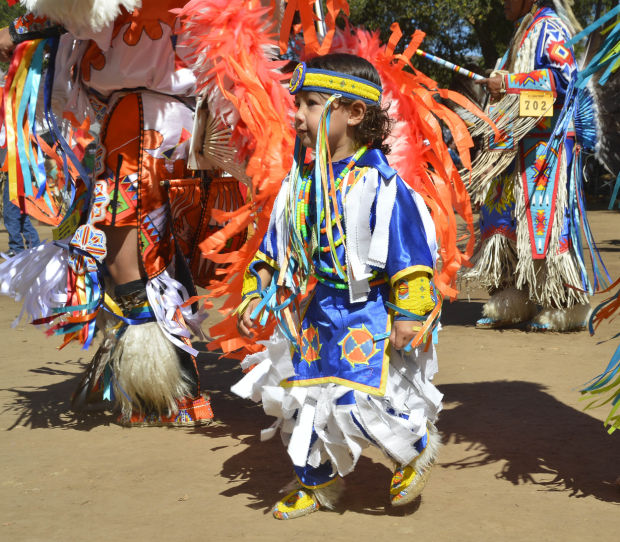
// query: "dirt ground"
[[521, 460]]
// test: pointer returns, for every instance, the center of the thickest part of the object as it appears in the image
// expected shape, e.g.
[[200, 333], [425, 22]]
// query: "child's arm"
[[257, 277], [412, 293]]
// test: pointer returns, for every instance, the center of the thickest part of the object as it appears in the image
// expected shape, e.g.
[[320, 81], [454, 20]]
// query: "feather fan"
[[233, 44]]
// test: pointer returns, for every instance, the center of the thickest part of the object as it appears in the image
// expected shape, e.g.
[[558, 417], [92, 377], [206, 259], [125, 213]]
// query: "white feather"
[[573, 319], [509, 305], [147, 371], [80, 16]]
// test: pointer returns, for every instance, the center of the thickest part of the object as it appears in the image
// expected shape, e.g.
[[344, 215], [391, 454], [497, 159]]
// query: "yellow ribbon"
[[12, 101]]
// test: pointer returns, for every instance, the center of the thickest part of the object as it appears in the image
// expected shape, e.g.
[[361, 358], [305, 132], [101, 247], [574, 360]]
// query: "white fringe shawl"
[[300, 410], [38, 278]]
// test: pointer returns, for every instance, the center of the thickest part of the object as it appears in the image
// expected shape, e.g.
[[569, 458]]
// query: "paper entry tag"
[[535, 103]]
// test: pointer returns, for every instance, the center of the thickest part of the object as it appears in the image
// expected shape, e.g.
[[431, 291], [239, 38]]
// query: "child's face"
[[309, 109]]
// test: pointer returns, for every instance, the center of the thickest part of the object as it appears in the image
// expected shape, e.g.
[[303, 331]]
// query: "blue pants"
[[312, 477], [21, 232]]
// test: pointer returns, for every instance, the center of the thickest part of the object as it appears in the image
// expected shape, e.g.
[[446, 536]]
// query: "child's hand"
[[403, 331], [244, 322]]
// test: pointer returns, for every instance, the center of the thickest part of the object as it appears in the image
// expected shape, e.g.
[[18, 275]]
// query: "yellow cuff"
[[261, 256], [414, 293], [244, 304], [408, 271], [250, 281]]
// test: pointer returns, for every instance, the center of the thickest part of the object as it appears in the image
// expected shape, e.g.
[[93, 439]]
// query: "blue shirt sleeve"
[[407, 243], [552, 54]]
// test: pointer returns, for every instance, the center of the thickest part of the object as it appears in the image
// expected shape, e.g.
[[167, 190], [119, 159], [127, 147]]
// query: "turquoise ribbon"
[[28, 100], [592, 27], [411, 316]]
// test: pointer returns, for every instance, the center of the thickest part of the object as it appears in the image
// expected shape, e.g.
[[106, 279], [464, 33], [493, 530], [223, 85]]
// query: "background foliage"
[[473, 33], [7, 14]]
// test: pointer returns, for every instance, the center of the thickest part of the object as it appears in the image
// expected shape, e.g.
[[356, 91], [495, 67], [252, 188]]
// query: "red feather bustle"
[[232, 44]]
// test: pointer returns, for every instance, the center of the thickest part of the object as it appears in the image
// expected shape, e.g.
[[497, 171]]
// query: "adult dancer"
[[124, 69], [530, 212]]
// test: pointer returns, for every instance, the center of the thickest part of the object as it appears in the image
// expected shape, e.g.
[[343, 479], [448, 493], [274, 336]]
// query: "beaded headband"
[[348, 86]]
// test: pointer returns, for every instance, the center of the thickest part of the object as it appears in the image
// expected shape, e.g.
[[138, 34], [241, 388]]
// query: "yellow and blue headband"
[[348, 86]]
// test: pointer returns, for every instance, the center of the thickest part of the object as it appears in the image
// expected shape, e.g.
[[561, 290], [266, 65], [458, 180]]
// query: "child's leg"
[[409, 480], [314, 487]]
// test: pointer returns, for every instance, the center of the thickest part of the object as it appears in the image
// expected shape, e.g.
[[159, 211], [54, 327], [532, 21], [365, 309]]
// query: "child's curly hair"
[[377, 124]]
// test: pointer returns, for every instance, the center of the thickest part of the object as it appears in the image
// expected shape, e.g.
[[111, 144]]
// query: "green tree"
[[7, 14], [465, 32]]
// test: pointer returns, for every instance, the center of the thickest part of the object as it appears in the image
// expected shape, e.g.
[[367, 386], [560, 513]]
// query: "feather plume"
[[81, 16], [419, 152], [233, 46], [232, 43]]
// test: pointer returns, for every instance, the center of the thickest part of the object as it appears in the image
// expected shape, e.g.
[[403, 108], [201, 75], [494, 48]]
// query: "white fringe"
[[38, 278], [509, 305], [491, 163], [547, 278], [166, 296], [494, 263], [429, 455], [302, 410], [81, 16], [147, 371], [571, 319], [562, 269]]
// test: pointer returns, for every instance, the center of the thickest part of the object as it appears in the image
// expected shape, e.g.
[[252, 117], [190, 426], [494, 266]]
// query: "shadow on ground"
[[261, 469], [534, 438], [461, 313], [537, 439], [49, 406]]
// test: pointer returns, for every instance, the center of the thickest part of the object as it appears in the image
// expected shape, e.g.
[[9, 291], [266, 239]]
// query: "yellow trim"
[[408, 270], [112, 305], [244, 304], [380, 391], [266, 259], [250, 282], [342, 84], [418, 298], [325, 484]]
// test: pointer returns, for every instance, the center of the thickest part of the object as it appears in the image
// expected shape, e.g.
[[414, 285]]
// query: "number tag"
[[68, 227], [535, 103]]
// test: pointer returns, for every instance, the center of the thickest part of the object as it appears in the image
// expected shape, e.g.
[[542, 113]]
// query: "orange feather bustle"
[[419, 152], [229, 40]]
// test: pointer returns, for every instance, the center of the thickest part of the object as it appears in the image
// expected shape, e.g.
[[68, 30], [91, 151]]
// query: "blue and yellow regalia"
[[532, 209], [364, 244]]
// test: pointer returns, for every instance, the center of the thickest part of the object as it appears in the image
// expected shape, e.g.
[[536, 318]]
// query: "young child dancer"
[[350, 364]]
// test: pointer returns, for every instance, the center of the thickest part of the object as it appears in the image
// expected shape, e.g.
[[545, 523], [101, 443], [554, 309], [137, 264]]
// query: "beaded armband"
[[414, 293], [251, 285], [30, 27]]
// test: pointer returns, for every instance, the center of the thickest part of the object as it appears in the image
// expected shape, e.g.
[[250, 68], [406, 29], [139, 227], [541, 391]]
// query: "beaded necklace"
[[304, 194]]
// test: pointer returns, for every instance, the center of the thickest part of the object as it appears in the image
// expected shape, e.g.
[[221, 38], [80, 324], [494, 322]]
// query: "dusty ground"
[[522, 461]]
